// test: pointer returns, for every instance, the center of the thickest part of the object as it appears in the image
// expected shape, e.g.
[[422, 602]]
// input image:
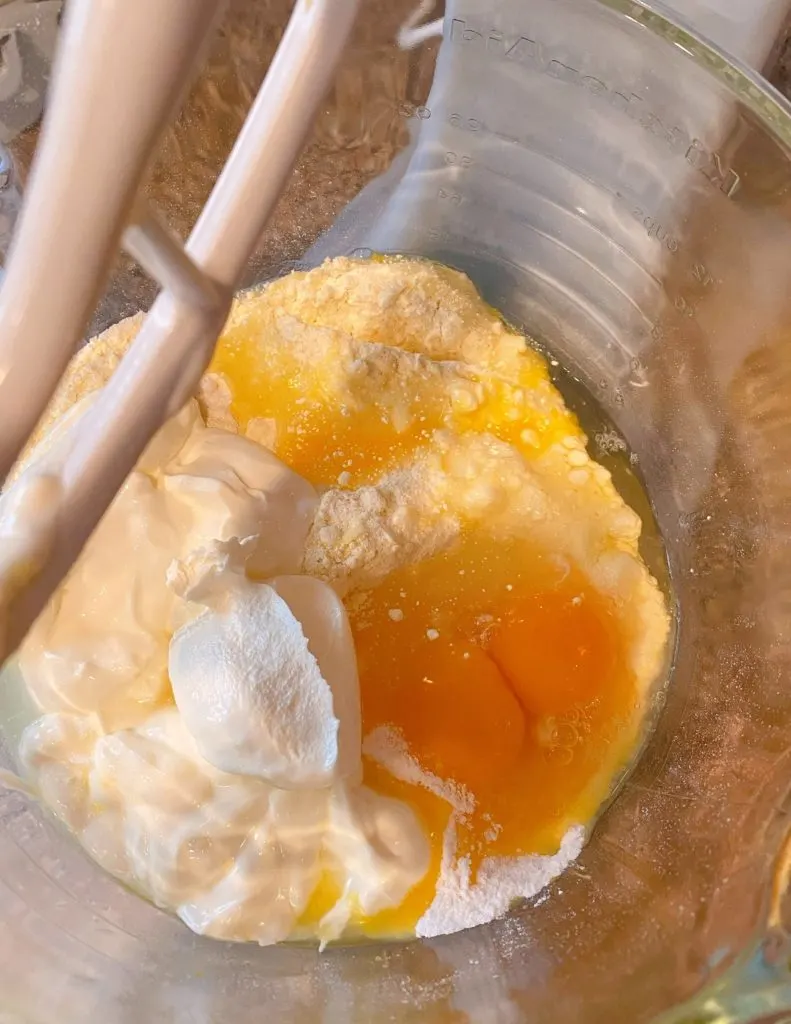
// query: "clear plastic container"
[[622, 190]]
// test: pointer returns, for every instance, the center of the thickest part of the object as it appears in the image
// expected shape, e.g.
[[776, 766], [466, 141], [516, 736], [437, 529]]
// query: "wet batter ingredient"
[[507, 632], [503, 665]]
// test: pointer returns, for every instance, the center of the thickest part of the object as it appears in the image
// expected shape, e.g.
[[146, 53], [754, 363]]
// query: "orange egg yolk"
[[508, 676], [502, 669]]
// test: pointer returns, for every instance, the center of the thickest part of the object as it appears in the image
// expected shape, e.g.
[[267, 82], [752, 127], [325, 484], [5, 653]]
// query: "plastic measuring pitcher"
[[621, 189]]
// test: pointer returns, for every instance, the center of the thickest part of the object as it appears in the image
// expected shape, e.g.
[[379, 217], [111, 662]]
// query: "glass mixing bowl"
[[623, 191]]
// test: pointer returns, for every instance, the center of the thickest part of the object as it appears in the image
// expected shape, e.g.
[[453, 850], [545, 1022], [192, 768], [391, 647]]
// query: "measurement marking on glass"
[[533, 55]]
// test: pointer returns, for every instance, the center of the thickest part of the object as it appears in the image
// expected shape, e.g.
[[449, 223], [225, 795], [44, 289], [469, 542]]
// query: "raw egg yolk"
[[464, 722], [506, 675], [556, 650]]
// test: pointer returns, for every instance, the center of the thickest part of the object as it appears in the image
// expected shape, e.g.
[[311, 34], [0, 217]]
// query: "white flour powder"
[[459, 902], [359, 537], [387, 747]]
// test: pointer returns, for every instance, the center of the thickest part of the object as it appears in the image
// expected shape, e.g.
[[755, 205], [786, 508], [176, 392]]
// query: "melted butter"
[[321, 434], [322, 900], [332, 431]]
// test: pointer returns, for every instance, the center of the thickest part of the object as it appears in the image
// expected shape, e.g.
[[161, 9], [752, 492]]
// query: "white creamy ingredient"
[[101, 646], [324, 621], [250, 675], [235, 857], [28, 522], [180, 801]]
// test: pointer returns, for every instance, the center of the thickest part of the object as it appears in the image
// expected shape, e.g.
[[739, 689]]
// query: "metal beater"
[[120, 72]]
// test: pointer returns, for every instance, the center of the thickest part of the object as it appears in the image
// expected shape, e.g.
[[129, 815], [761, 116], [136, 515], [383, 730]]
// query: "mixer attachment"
[[119, 74]]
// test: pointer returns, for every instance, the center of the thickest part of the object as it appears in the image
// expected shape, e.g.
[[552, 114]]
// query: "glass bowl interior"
[[619, 189]]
